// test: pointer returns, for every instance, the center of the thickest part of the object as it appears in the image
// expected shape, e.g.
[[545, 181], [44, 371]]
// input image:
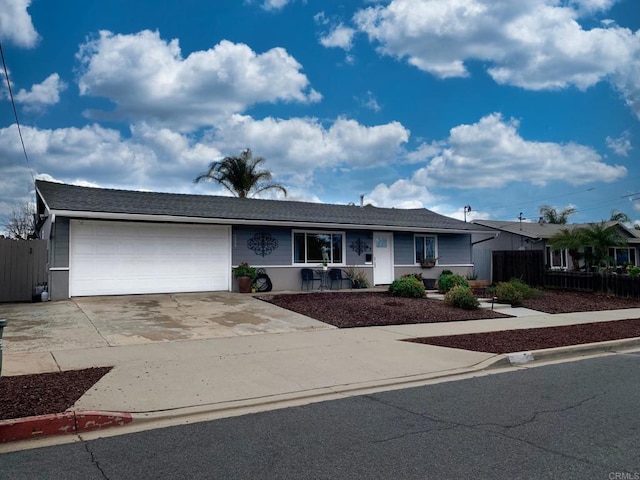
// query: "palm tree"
[[572, 240], [617, 216], [549, 214], [241, 175], [601, 238]]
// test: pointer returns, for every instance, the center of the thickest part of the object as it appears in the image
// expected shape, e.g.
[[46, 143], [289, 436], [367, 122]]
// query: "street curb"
[[582, 350], [86, 421], [60, 424]]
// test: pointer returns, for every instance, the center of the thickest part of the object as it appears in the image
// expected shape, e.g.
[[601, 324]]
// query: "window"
[[556, 258], [426, 247], [623, 255], [314, 247]]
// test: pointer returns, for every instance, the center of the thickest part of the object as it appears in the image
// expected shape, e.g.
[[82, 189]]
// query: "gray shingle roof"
[[545, 230], [62, 197]]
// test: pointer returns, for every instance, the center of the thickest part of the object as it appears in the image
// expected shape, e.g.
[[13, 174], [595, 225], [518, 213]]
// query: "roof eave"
[[235, 221]]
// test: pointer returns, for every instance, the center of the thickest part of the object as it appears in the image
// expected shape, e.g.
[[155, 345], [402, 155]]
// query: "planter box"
[[429, 283]]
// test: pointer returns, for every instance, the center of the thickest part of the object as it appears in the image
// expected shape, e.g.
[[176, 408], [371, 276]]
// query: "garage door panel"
[[111, 258]]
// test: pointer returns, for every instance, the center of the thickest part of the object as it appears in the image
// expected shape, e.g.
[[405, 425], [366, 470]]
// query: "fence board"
[[611, 284], [23, 265], [528, 265]]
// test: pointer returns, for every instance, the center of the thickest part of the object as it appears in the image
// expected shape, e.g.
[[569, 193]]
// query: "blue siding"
[[403, 249], [454, 249], [358, 241], [277, 241], [61, 243]]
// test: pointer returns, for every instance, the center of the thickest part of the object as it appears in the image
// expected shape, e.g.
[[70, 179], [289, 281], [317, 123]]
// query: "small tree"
[[551, 214], [601, 238], [572, 240], [20, 223], [241, 175]]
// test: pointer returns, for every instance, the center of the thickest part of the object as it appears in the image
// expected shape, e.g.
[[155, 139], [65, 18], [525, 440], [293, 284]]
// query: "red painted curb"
[[60, 424]]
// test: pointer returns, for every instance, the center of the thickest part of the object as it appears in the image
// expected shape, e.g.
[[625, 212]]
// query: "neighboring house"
[[110, 242], [535, 236]]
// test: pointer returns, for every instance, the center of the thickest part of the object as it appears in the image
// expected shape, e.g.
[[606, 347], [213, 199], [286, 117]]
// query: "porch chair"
[[336, 275], [308, 277]]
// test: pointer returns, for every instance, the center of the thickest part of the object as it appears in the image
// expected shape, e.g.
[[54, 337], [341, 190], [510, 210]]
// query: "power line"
[[15, 112]]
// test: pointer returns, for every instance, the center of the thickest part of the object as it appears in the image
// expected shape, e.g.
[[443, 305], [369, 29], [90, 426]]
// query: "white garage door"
[[115, 258]]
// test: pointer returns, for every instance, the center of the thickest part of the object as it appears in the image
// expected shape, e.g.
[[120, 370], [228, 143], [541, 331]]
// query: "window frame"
[[549, 256], [629, 255], [330, 233], [424, 236]]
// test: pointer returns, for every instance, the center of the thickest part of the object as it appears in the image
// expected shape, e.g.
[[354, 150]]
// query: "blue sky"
[[501, 105]]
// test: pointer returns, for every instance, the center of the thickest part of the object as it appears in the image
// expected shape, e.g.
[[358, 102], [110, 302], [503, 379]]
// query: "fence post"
[[3, 323]]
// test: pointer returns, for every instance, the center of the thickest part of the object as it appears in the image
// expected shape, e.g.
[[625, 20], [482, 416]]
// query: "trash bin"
[[3, 323]]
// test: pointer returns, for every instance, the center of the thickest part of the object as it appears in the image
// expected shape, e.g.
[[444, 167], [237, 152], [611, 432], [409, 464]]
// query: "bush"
[[447, 281], [507, 292], [524, 289], [461, 297], [408, 286], [634, 271]]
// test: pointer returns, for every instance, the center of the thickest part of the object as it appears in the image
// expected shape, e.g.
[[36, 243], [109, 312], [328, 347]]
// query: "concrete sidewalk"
[[216, 377]]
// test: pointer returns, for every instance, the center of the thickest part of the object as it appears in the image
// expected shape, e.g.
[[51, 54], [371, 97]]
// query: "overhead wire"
[[15, 112]]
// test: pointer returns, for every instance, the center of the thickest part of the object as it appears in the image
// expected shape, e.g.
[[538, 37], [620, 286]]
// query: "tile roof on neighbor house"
[[80, 201], [543, 231]]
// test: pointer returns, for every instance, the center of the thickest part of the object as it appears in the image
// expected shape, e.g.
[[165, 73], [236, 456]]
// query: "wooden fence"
[[527, 265], [23, 265], [608, 283]]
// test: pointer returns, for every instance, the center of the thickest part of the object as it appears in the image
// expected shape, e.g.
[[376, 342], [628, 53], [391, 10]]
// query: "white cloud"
[[302, 145], [275, 4], [339, 37], [15, 23], [533, 44], [370, 101], [147, 78], [401, 194], [620, 145], [491, 154], [42, 94]]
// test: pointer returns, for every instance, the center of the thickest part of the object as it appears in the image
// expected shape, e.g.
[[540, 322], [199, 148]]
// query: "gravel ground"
[[28, 395]]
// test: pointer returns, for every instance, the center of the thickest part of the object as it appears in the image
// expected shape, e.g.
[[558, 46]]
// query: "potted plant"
[[245, 274], [325, 258], [428, 262]]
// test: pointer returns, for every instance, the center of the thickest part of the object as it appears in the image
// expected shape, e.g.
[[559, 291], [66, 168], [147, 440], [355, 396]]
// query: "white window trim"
[[318, 232], [564, 258], [628, 249], [424, 235]]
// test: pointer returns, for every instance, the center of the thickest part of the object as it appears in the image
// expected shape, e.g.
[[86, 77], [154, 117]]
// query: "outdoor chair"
[[308, 277], [336, 276]]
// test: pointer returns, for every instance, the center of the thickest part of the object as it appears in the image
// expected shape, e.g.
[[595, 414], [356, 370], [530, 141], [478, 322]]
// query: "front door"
[[382, 258]]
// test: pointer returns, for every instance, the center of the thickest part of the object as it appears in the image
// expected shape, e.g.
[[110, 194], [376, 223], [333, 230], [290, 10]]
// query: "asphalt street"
[[576, 419]]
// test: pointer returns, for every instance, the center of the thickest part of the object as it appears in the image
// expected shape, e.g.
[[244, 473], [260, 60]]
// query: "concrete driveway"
[[86, 322]]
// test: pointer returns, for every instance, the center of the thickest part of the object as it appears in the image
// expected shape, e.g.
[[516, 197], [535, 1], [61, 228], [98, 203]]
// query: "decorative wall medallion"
[[262, 244], [359, 246]]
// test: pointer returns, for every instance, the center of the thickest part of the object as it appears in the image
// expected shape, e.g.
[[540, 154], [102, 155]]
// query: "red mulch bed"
[[509, 341], [29, 395], [560, 301], [371, 309]]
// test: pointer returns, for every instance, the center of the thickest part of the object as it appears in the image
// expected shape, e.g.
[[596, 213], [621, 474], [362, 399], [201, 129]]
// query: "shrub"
[[446, 271], [447, 281], [634, 271], [417, 276], [407, 286], [461, 297], [507, 292], [524, 289]]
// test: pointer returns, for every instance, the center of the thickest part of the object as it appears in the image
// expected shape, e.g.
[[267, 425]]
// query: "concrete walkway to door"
[[93, 322]]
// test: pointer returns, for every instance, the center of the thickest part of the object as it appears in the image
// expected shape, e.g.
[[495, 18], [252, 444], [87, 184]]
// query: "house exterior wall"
[[271, 248], [59, 259], [482, 252]]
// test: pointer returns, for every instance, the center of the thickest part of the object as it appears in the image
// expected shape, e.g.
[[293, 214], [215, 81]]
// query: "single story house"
[[113, 242], [518, 235]]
